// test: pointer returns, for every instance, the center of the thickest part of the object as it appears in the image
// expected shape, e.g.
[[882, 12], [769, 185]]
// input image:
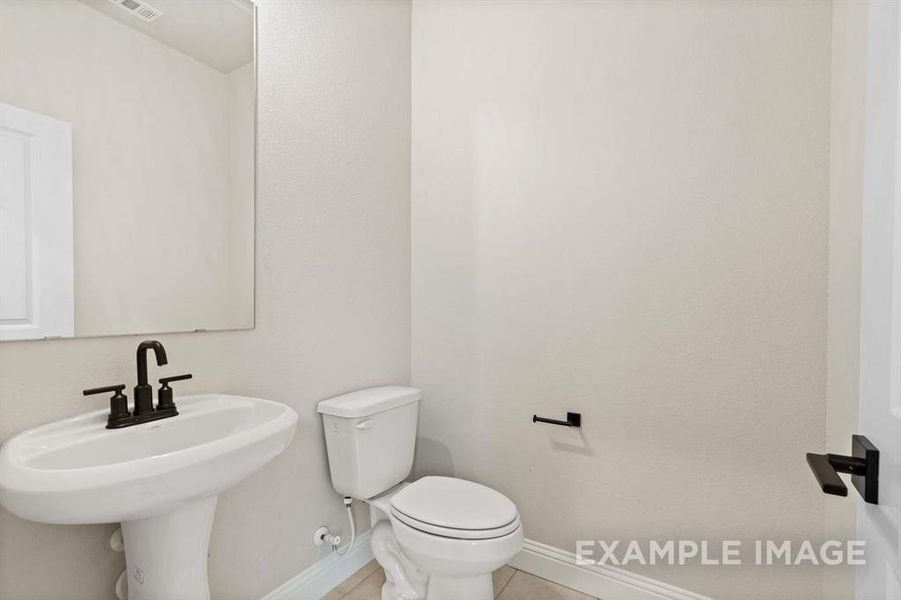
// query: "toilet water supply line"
[[335, 540]]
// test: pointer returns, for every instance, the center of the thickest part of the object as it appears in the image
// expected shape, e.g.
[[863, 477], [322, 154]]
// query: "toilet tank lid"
[[365, 403]]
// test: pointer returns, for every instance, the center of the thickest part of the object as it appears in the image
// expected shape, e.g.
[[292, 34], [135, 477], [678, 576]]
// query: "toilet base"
[[403, 579], [424, 566], [478, 587]]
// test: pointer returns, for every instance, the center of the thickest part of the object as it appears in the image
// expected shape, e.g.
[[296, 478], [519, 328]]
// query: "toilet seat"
[[455, 508], [455, 533]]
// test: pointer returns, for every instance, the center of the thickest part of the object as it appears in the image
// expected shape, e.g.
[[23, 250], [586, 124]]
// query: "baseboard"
[[539, 559], [323, 576], [600, 581]]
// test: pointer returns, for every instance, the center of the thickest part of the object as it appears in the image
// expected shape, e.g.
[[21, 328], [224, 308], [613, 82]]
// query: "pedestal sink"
[[160, 480]]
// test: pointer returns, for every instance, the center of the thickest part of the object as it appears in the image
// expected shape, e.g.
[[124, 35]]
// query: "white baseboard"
[[600, 581], [323, 576], [539, 559]]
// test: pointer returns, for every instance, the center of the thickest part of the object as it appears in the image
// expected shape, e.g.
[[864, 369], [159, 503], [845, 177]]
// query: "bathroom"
[[665, 228]]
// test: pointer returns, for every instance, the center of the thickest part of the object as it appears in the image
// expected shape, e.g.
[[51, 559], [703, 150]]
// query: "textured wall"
[[332, 302], [846, 144], [620, 208]]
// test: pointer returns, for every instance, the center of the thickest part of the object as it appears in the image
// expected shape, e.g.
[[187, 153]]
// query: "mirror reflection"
[[127, 136]]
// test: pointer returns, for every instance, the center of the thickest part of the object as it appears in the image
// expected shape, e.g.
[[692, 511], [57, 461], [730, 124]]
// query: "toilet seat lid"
[[457, 504]]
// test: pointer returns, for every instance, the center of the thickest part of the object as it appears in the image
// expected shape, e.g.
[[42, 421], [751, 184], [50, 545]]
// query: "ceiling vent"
[[141, 10]]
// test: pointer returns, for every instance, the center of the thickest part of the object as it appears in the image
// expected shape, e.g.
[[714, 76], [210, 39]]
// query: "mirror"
[[127, 149]]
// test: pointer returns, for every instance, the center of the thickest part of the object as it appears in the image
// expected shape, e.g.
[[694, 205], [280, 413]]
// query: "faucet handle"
[[110, 388], [167, 380], [164, 394], [118, 404]]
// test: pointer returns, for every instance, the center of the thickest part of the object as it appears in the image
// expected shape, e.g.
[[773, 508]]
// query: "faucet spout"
[[158, 350], [143, 391]]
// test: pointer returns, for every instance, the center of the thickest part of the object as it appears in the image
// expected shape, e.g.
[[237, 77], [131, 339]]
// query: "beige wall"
[[241, 122], [620, 208], [154, 202], [332, 305], [848, 106]]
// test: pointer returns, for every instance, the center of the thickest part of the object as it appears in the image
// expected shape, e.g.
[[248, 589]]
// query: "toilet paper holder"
[[572, 420]]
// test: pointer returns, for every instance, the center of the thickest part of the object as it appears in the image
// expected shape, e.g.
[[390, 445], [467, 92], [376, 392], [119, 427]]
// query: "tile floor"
[[509, 584]]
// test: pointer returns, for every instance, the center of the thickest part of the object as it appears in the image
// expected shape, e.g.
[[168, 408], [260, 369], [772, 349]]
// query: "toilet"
[[437, 538]]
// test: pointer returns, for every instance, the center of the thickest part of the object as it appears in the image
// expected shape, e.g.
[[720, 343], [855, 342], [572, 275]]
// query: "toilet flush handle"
[[367, 424]]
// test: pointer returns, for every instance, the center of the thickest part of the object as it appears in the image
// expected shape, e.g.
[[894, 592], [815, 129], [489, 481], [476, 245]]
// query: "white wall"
[[847, 123], [241, 122], [154, 202], [332, 278], [620, 208]]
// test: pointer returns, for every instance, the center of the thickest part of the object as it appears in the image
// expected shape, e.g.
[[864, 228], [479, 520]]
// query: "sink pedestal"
[[166, 556]]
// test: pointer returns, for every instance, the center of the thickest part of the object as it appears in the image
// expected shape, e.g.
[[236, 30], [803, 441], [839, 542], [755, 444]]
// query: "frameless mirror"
[[127, 136]]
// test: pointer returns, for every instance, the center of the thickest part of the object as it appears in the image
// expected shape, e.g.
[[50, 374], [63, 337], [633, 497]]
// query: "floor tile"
[[370, 589], [523, 586], [509, 584], [353, 581], [501, 578]]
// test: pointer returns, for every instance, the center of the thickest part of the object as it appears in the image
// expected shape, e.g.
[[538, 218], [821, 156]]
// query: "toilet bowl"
[[456, 532], [437, 538]]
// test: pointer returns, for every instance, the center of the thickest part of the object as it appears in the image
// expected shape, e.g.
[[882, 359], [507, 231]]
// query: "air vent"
[[141, 10]]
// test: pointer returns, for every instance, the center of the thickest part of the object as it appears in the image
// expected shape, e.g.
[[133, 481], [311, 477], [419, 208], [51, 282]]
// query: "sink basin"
[[76, 471], [160, 479]]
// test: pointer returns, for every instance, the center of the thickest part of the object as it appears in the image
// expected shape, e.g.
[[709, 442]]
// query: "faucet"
[[119, 416], [143, 391]]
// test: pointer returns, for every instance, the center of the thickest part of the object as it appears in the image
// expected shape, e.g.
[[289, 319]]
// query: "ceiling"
[[218, 33]]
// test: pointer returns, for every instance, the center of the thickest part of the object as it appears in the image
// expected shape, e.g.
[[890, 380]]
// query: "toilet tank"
[[370, 436]]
